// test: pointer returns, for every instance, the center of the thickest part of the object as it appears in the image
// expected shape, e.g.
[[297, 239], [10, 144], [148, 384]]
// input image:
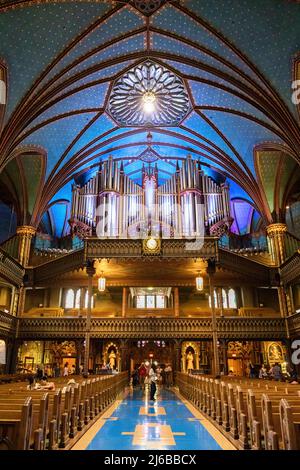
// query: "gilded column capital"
[[26, 230], [276, 229]]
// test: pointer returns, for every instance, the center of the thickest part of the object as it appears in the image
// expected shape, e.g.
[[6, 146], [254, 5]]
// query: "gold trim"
[[151, 251], [26, 230], [276, 229]]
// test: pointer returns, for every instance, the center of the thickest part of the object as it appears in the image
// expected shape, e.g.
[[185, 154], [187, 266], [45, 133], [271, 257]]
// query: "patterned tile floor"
[[166, 424]]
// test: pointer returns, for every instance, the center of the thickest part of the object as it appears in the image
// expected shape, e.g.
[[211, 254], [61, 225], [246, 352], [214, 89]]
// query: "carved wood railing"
[[290, 270], [258, 312], [52, 268], [251, 328], [246, 266], [294, 325], [8, 324], [133, 248], [10, 269], [170, 250], [185, 328]]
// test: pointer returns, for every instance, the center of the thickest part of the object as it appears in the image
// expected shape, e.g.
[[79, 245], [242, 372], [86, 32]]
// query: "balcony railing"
[[8, 324], [185, 328]]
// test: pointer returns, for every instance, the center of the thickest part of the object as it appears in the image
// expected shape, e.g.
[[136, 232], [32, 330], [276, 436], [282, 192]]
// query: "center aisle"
[[166, 424]]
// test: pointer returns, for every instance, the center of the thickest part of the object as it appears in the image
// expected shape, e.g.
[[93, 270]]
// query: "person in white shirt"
[[153, 380]]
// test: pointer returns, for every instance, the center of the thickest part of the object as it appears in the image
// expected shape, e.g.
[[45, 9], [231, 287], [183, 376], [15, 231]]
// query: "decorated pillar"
[[124, 355], [211, 269], [78, 345], [21, 301], [276, 234], [223, 347], [220, 300], [177, 356], [81, 301], [13, 355], [90, 269], [282, 301], [9, 345], [25, 234], [124, 301], [176, 301]]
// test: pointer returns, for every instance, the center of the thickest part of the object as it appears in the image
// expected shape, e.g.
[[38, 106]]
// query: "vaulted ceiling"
[[60, 62]]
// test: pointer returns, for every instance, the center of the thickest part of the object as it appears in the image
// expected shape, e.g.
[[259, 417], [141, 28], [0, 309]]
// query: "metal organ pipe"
[[178, 202]]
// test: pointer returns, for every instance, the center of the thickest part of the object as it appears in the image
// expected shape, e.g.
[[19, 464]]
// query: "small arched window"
[[215, 298], [232, 298], [77, 298], [69, 301], [2, 352], [86, 300], [224, 299]]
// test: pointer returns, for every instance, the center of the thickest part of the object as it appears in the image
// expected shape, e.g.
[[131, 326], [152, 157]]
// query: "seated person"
[[45, 385], [31, 383], [71, 382]]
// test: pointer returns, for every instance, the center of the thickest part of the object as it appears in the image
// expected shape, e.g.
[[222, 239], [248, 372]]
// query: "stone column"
[[282, 301], [276, 241], [176, 301], [220, 300], [211, 269], [177, 356], [13, 356], [124, 301], [25, 234], [290, 300], [223, 345], [90, 272], [21, 301], [9, 344], [81, 302], [78, 345], [124, 354]]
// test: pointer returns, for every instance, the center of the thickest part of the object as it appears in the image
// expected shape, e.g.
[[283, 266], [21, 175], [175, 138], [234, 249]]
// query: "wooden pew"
[[15, 427], [290, 425], [58, 415]]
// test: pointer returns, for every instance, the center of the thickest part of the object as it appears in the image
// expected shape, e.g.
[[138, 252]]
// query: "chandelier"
[[199, 282], [101, 283]]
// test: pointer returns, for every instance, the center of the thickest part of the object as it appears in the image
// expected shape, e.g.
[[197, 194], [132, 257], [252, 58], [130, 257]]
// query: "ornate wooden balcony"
[[185, 328], [170, 250], [8, 325], [133, 248], [290, 270], [294, 325], [10, 269]]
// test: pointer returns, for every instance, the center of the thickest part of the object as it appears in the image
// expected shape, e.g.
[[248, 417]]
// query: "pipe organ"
[[189, 204]]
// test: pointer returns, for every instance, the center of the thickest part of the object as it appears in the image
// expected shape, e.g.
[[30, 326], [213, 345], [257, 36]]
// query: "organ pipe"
[[112, 202]]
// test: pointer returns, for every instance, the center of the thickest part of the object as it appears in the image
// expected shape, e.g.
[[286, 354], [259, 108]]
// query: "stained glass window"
[[69, 301], [232, 298]]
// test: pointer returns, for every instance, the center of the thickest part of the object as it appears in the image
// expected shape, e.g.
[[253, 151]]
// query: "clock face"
[[151, 244]]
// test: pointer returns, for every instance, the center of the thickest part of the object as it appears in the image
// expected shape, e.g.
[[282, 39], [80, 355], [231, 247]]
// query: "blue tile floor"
[[166, 424]]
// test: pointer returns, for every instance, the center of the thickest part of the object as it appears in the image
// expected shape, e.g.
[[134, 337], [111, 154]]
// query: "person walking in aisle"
[[153, 380]]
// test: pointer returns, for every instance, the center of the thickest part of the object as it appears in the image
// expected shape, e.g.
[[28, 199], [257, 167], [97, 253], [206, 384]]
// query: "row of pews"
[[254, 414], [49, 420]]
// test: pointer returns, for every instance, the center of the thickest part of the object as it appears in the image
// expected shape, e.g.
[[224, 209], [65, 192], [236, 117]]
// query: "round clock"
[[151, 244]]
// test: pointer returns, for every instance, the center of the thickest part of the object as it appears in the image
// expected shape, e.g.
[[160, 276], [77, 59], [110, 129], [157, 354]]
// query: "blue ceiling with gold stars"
[[60, 62]]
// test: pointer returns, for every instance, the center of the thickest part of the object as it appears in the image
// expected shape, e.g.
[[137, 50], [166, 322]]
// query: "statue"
[[112, 359], [190, 361]]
